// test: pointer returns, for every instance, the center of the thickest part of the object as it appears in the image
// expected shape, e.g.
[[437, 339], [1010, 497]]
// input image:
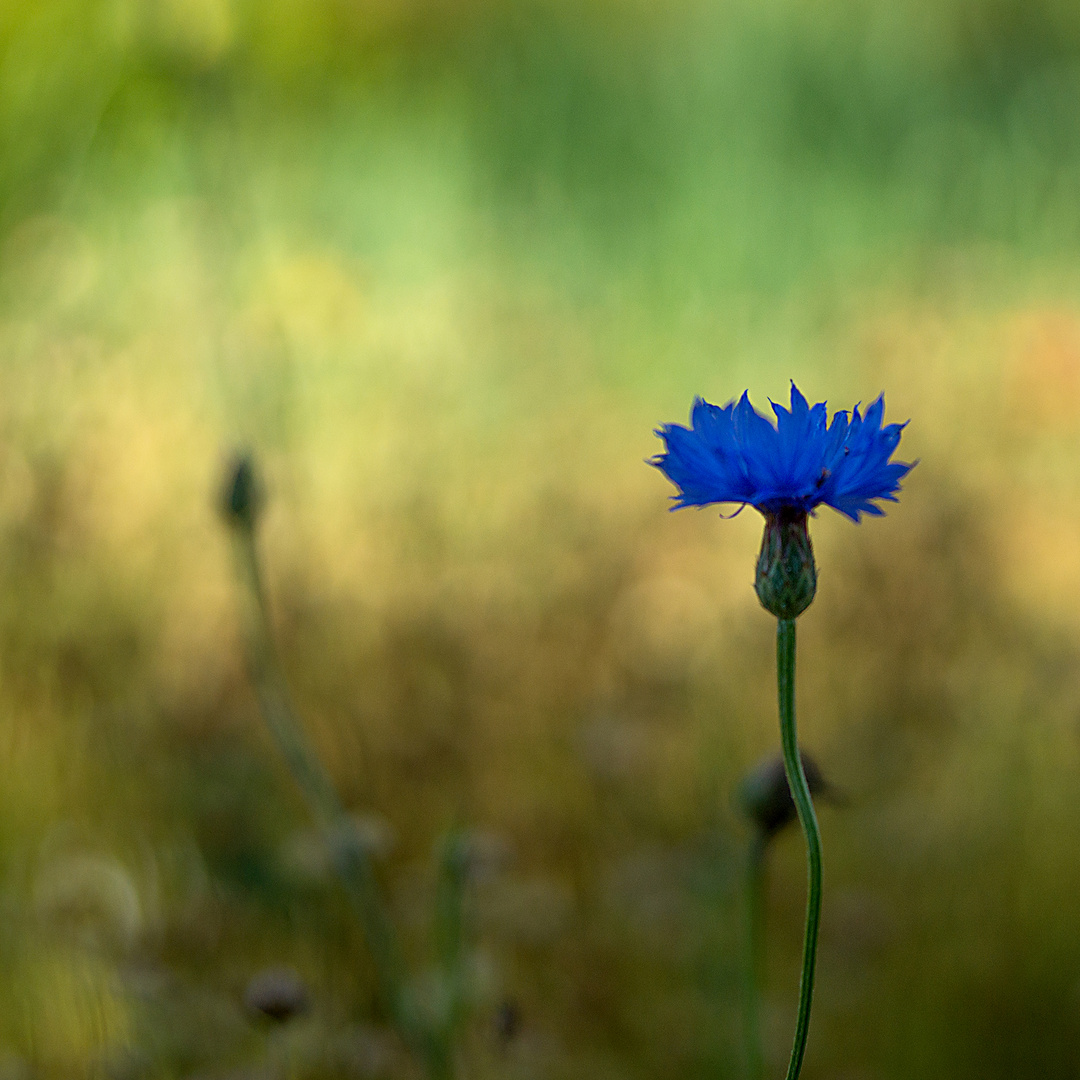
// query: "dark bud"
[[764, 796], [786, 574], [277, 994], [241, 494], [507, 1022]]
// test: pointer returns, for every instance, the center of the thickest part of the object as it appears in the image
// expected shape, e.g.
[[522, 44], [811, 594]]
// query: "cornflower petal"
[[757, 439], [733, 454]]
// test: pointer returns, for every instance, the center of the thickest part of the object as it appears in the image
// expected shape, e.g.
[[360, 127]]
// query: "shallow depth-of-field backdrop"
[[443, 265]]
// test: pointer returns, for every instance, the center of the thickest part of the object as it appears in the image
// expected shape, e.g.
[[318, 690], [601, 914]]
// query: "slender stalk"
[[351, 859], [450, 919], [800, 792], [755, 879]]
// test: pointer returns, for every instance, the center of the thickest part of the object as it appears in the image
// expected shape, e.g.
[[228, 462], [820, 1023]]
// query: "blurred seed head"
[[278, 994], [242, 492], [366, 832], [478, 855], [91, 899], [310, 855], [765, 799]]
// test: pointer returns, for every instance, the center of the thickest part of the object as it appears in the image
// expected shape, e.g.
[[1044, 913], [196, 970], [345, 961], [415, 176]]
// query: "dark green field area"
[[442, 266]]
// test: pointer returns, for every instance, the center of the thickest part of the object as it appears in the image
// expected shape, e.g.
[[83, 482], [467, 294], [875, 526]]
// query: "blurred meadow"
[[442, 266]]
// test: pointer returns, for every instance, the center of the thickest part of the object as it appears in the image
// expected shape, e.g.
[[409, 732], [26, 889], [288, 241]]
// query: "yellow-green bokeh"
[[443, 265]]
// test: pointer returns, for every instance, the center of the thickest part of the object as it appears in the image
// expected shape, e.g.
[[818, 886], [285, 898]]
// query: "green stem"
[[450, 920], [351, 859], [800, 791], [755, 879]]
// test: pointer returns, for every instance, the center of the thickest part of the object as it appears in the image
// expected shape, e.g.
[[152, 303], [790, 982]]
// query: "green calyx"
[[786, 573]]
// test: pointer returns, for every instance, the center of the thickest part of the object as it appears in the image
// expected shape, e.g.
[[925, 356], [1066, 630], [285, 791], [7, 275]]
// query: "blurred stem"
[[800, 792], [755, 880], [273, 697], [351, 859], [450, 918]]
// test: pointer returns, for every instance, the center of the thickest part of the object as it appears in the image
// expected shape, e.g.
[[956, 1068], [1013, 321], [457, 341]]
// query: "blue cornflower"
[[735, 455]]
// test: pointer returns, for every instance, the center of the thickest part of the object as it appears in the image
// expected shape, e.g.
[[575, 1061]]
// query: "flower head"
[[735, 455], [765, 798]]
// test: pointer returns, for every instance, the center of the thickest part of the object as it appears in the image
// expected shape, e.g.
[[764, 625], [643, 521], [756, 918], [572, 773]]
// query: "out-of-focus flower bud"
[[764, 796], [91, 898], [242, 494], [278, 994]]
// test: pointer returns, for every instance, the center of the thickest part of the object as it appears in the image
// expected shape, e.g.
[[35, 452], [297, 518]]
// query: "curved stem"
[[800, 792], [350, 859], [755, 880]]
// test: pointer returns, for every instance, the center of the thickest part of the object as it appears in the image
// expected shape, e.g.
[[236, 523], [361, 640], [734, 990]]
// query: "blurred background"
[[443, 265]]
